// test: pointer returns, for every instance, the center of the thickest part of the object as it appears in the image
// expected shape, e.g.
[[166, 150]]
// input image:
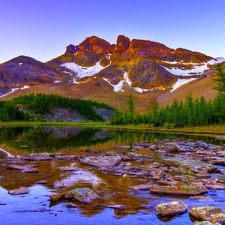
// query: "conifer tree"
[[220, 78]]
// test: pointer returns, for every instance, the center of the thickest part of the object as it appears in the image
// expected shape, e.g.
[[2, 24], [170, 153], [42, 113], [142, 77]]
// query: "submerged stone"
[[70, 205]]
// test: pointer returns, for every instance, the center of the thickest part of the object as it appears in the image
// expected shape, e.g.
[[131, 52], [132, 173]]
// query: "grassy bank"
[[211, 130]]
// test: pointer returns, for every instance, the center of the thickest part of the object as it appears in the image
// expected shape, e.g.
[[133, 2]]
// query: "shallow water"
[[36, 208]]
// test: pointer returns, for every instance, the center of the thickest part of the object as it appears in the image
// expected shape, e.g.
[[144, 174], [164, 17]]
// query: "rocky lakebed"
[[179, 181]]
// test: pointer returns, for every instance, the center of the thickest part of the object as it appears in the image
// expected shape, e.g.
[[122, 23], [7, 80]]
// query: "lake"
[[113, 188]]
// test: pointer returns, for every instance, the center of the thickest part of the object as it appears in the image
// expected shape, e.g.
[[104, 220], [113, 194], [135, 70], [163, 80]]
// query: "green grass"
[[211, 130]]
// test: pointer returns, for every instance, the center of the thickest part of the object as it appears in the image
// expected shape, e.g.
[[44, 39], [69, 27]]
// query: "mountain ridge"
[[96, 67]]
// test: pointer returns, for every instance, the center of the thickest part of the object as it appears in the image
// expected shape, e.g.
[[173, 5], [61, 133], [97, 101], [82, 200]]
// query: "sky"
[[42, 29]]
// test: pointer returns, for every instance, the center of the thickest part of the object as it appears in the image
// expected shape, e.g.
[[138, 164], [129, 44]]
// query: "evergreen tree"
[[220, 78]]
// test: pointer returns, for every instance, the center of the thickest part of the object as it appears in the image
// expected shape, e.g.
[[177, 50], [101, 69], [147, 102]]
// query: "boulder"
[[171, 208], [205, 223], [84, 195], [101, 161], [56, 197], [178, 189], [212, 214], [19, 191]]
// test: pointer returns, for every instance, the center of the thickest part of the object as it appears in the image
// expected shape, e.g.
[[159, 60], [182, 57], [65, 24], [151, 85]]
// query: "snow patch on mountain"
[[181, 82], [12, 90], [82, 71], [24, 87], [197, 69], [117, 87], [126, 78]]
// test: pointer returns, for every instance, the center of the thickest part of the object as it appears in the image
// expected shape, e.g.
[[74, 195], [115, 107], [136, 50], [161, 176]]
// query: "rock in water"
[[171, 208], [56, 197], [84, 195], [58, 184], [212, 214], [19, 191], [102, 160]]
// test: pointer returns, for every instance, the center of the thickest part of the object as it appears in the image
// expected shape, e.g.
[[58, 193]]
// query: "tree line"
[[190, 112], [19, 108]]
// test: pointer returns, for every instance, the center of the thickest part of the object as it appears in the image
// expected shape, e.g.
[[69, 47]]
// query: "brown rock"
[[84, 195], [56, 197], [122, 43], [41, 182], [208, 213], [171, 208], [94, 44]]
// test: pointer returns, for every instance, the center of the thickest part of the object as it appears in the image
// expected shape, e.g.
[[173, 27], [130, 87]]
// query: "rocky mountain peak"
[[95, 45], [72, 49], [122, 43]]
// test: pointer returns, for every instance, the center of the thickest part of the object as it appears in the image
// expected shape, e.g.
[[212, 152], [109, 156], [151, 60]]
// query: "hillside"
[[53, 108]]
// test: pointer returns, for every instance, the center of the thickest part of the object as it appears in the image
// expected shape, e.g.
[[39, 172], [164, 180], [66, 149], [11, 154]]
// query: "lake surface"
[[36, 207]]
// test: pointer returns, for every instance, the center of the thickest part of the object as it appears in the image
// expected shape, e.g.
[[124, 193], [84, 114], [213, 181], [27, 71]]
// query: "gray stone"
[[19, 191], [101, 161]]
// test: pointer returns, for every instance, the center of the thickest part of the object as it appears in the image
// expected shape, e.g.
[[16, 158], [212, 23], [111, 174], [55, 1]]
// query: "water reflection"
[[114, 190], [39, 139], [47, 139], [81, 176]]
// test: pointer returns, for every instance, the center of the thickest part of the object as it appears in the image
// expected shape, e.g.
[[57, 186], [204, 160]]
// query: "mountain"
[[98, 70], [22, 71], [135, 65]]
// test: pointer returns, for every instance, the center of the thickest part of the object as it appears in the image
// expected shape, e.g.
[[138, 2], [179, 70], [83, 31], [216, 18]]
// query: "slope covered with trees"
[[19, 108], [191, 112]]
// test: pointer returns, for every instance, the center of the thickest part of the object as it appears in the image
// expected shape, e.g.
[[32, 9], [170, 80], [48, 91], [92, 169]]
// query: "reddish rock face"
[[122, 43], [94, 44], [150, 46], [189, 56], [72, 49]]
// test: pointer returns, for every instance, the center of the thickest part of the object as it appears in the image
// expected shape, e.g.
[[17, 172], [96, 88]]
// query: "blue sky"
[[42, 29]]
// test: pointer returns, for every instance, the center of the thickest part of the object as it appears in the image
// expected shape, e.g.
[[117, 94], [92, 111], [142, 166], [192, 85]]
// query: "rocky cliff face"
[[141, 65]]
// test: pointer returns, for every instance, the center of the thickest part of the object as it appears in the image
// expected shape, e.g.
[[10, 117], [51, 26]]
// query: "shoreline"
[[211, 130]]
